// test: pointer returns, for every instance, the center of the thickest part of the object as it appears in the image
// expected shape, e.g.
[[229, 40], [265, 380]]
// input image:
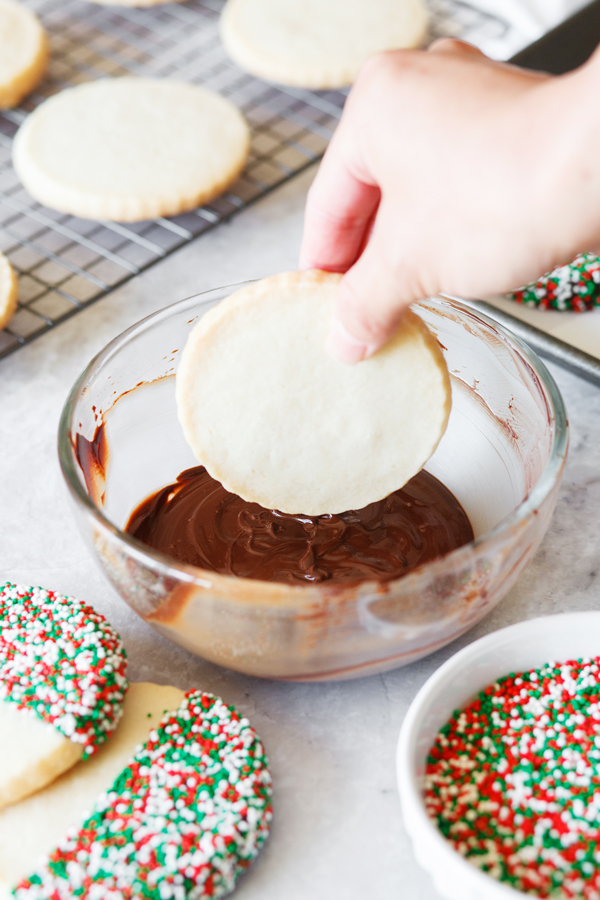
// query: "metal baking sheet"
[[545, 344]]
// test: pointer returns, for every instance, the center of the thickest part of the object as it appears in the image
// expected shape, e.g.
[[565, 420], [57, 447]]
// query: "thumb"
[[371, 300]]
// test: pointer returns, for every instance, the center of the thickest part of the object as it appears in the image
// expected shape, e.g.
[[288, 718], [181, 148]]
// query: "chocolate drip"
[[92, 456], [196, 521]]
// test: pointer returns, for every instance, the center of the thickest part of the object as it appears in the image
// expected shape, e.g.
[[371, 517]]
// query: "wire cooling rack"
[[65, 263]]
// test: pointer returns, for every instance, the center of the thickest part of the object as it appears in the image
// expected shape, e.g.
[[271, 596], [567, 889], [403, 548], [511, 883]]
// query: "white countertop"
[[337, 831]]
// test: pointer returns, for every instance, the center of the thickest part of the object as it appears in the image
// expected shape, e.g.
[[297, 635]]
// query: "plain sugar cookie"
[[279, 422], [23, 53], [185, 817], [316, 44], [62, 684], [9, 289], [127, 149]]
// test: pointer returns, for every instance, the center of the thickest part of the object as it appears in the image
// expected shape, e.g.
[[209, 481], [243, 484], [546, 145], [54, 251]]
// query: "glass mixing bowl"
[[502, 456]]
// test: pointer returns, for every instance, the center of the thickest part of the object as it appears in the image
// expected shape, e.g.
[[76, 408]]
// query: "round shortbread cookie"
[[184, 818], [62, 685], [128, 149], [9, 289], [23, 52], [279, 422], [312, 44]]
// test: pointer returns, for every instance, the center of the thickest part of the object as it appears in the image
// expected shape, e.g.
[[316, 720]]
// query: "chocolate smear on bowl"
[[92, 457]]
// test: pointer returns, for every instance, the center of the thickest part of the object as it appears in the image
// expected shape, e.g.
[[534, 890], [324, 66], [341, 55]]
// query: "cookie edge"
[[9, 291]]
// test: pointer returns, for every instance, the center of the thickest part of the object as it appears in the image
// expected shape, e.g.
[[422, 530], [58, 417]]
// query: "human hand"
[[441, 177]]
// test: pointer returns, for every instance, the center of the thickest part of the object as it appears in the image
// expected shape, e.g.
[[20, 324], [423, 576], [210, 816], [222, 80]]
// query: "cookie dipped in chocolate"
[[196, 521]]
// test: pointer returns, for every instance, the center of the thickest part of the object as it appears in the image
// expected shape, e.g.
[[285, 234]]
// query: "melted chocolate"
[[196, 521]]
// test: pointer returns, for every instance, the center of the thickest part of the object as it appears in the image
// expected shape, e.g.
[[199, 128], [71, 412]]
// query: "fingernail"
[[344, 347]]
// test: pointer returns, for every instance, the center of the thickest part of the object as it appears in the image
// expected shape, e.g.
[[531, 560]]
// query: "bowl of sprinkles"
[[499, 764]]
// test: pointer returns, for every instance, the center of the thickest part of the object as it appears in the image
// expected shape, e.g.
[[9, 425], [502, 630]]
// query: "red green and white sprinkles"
[[513, 780], [181, 822], [575, 286], [61, 660]]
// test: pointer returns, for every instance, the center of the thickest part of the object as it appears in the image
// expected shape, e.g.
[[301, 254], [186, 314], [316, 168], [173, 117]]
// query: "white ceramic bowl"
[[520, 647]]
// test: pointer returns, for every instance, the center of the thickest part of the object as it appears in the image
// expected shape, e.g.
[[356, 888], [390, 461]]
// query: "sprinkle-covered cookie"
[[574, 286], [32, 828], [183, 819], [62, 685]]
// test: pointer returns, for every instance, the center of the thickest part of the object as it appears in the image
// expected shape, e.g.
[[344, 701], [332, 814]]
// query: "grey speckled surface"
[[337, 831]]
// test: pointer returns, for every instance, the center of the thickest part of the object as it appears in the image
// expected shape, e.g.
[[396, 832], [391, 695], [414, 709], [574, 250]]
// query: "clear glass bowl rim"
[[188, 573]]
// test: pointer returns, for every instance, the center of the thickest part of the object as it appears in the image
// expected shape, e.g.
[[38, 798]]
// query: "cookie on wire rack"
[[62, 686], [23, 53], [184, 818], [128, 149], [572, 287], [315, 44], [9, 289]]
